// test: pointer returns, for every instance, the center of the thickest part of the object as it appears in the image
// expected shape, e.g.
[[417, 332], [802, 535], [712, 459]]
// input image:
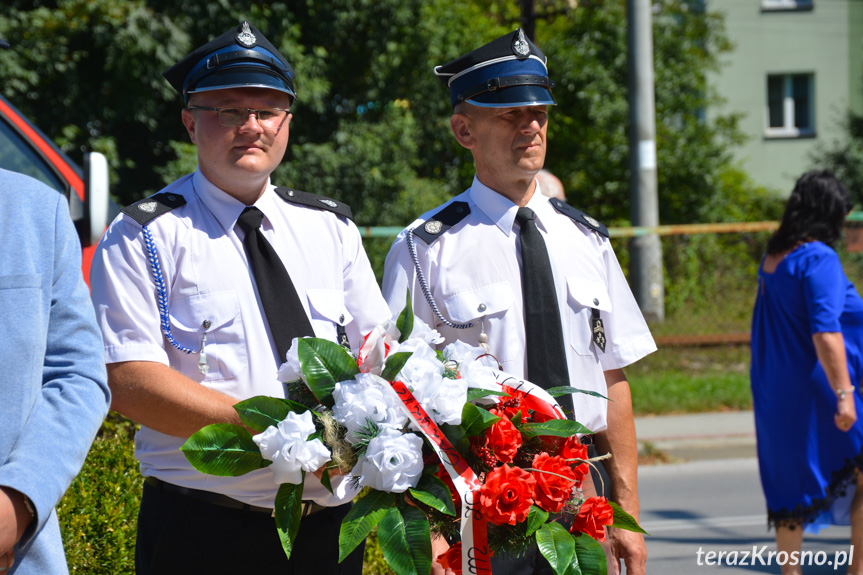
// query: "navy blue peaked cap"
[[509, 71], [239, 58]]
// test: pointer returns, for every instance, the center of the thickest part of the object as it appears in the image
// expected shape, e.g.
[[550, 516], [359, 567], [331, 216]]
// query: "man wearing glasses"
[[201, 289]]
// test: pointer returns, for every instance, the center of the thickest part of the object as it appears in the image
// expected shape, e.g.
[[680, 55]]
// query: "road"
[[717, 505]]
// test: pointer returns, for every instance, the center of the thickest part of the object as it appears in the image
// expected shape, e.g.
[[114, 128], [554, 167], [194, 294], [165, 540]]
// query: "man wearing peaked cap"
[[530, 278], [201, 289]]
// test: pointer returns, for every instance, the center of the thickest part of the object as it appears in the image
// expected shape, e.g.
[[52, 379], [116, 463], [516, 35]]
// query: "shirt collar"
[[225, 207], [501, 211]]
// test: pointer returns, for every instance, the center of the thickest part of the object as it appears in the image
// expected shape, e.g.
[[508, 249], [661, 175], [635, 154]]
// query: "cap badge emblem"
[[148, 207], [330, 203], [591, 221], [520, 46], [433, 227], [245, 37]]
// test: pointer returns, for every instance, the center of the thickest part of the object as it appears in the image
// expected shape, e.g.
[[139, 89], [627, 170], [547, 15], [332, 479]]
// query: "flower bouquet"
[[435, 443]]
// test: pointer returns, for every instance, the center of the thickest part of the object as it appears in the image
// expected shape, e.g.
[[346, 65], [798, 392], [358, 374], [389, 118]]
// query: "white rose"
[[447, 404], [290, 370], [423, 371], [393, 462], [462, 352], [367, 397], [287, 446], [424, 332]]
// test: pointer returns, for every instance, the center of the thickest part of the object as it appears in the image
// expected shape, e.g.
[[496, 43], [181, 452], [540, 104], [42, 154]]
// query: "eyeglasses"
[[234, 117]]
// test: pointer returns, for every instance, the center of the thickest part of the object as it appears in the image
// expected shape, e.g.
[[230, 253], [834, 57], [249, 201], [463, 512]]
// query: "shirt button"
[[595, 301], [206, 324], [342, 318], [481, 307]]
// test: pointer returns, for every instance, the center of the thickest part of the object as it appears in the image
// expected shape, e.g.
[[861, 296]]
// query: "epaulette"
[[579, 216], [146, 210], [442, 221], [315, 201]]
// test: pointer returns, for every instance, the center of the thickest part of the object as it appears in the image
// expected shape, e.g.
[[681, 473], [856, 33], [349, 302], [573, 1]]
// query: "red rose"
[[503, 438], [451, 558], [573, 448], [553, 489], [594, 515], [507, 494]]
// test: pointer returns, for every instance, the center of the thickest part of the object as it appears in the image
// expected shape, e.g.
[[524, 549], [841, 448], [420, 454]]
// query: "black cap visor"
[[514, 96]]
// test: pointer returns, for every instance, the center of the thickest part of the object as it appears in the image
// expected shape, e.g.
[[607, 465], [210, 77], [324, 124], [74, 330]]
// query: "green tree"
[[844, 157]]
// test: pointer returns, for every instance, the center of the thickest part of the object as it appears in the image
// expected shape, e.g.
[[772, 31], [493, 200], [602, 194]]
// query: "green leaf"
[[324, 363], [474, 393], [362, 518], [432, 491], [260, 412], [405, 323], [456, 436], [223, 449], [565, 389], [326, 481], [536, 518], [475, 419], [555, 427], [394, 364], [623, 520], [405, 539], [289, 513], [591, 557], [558, 547]]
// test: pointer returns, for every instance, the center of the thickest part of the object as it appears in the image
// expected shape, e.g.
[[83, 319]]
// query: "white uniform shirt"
[[207, 277], [474, 275]]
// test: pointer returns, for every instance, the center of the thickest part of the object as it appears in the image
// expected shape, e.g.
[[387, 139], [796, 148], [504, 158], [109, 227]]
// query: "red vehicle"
[[25, 149]]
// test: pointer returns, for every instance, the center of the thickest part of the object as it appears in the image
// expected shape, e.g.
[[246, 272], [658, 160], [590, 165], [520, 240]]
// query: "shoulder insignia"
[[442, 221], [315, 201], [146, 210], [579, 216]]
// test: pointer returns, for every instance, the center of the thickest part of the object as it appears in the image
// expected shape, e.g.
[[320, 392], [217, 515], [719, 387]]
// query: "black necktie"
[[282, 307], [546, 354]]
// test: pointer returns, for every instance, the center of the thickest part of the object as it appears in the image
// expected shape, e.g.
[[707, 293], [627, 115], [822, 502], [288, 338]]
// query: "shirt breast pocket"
[[583, 296], [216, 315], [328, 312], [487, 306]]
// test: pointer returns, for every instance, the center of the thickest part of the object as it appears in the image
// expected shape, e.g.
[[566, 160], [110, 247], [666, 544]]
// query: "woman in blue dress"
[[807, 364]]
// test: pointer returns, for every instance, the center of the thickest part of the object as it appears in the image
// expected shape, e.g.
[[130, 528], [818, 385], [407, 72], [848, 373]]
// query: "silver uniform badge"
[[433, 227], [245, 37], [591, 221], [148, 207], [330, 203], [520, 45]]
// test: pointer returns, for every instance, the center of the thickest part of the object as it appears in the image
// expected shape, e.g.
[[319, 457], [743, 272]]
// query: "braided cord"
[[424, 285], [161, 292]]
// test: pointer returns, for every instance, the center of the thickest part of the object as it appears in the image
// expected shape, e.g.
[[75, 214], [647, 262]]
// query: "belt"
[[309, 507]]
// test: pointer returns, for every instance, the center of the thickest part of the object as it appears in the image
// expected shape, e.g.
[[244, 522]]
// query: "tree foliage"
[[371, 125], [845, 157]]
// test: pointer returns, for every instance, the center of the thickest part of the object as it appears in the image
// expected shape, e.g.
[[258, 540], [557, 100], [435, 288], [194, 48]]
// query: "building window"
[[790, 105], [785, 5]]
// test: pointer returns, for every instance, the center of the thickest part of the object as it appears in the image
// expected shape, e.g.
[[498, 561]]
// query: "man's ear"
[[189, 122], [461, 129]]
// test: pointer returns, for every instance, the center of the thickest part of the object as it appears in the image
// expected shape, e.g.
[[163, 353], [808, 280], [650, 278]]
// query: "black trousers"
[[181, 535], [533, 562]]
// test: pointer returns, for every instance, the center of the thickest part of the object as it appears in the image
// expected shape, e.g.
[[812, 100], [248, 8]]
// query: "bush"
[[99, 513]]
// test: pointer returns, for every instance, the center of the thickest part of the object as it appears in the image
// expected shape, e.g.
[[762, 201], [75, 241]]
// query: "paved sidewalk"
[[698, 436]]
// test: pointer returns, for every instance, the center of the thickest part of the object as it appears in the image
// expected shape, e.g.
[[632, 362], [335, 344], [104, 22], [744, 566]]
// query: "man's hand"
[[439, 546], [628, 546], [14, 520]]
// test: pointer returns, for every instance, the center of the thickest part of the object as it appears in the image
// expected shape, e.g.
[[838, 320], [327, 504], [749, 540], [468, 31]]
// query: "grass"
[[690, 380]]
